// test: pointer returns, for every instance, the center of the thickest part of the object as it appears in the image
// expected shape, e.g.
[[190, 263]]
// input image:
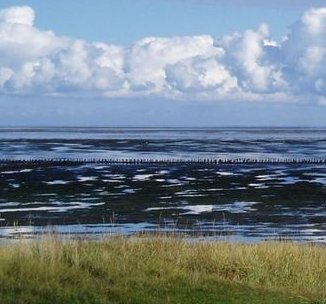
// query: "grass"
[[160, 270]]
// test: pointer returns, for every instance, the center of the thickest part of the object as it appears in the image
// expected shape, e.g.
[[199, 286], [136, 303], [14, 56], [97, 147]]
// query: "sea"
[[170, 192]]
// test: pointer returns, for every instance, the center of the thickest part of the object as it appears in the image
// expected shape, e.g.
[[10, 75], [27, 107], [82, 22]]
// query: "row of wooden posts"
[[67, 161]]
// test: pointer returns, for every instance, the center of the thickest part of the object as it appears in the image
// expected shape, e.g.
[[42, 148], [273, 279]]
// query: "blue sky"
[[172, 62], [125, 21]]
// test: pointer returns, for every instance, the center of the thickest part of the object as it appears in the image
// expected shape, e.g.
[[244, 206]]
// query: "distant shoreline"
[[190, 128]]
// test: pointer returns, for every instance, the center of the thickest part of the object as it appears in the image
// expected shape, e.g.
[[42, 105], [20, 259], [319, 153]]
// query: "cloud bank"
[[248, 66]]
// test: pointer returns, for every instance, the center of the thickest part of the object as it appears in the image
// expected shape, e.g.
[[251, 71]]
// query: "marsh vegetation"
[[160, 270]]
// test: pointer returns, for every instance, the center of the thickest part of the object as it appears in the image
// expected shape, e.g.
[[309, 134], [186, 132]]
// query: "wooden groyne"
[[201, 161]]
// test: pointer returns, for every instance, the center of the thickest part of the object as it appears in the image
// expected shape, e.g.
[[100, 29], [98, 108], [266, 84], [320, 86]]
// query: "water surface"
[[237, 202]]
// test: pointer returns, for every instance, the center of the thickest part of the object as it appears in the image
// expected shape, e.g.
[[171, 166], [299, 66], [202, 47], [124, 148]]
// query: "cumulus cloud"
[[240, 66], [18, 15]]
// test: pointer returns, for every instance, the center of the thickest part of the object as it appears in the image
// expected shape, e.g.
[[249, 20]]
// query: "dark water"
[[236, 202]]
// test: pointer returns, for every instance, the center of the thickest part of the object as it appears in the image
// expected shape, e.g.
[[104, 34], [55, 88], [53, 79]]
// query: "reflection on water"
[[95, 143], [246, 202], [237, 202]]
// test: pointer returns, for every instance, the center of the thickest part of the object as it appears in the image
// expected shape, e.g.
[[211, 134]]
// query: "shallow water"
[[236, 202], [168, 143]]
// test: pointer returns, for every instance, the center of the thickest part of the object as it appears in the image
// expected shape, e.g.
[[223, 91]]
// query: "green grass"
[[161, 270]]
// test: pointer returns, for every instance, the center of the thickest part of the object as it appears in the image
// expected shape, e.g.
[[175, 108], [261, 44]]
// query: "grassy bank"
[[161, 270]]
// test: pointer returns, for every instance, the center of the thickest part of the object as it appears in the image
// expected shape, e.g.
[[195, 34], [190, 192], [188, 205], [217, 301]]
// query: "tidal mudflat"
[[243, 202]]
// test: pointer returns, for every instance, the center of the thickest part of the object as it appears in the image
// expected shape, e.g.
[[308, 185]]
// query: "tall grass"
[[120, 268]]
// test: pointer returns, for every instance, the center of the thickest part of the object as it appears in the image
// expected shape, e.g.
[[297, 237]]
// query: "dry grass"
[[124, 268]]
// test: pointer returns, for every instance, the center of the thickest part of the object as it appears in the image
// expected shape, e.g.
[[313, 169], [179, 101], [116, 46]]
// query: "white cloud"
[[147, 59], [5, 75], [18, 15], [304, 53], [249, 57], [240, 66], [200, 75]]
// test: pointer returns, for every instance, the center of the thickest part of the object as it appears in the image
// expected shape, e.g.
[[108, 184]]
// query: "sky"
[[162, 63]]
